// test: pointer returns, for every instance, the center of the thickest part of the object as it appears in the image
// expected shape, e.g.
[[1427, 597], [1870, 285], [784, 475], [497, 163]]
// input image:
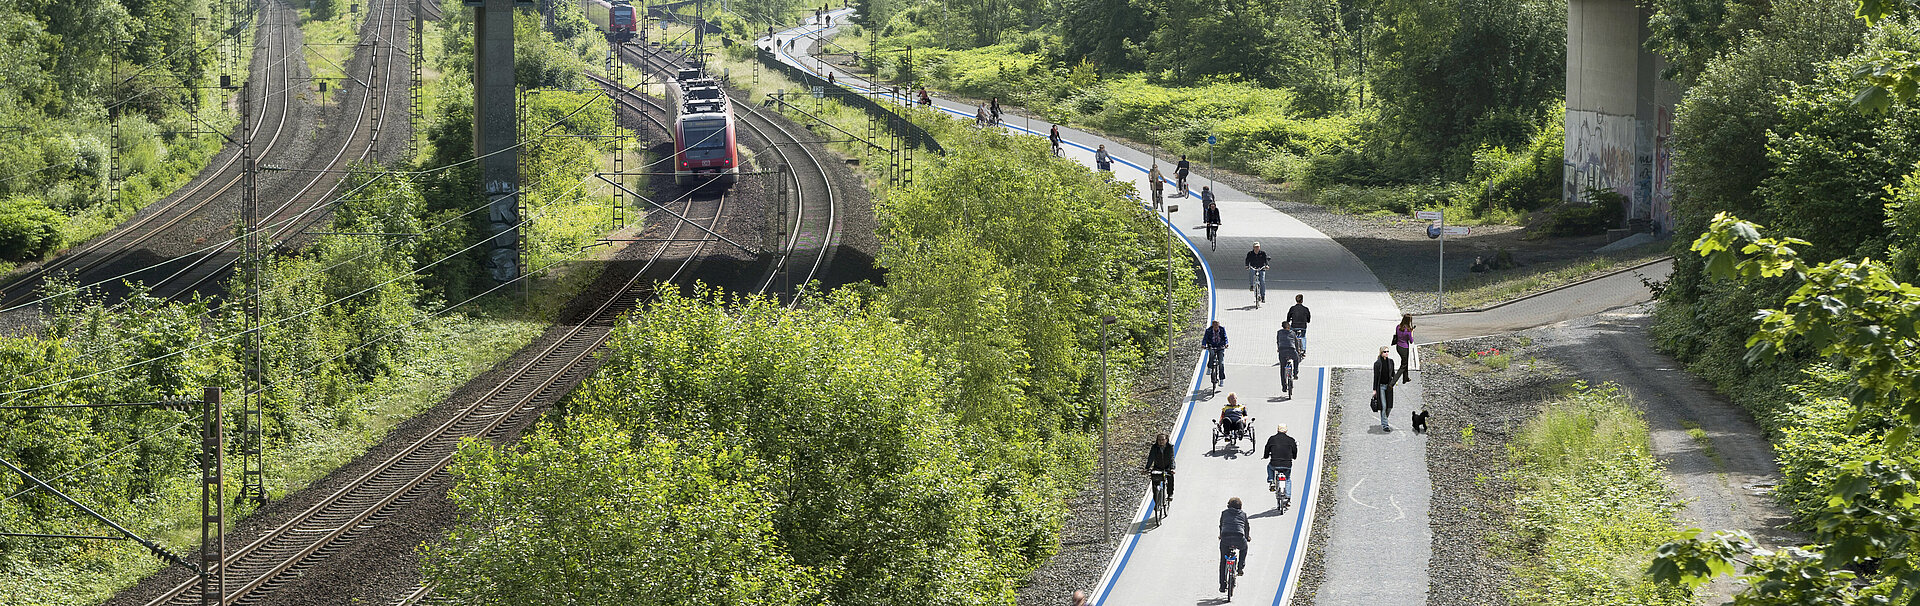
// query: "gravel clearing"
[[1472, 499]]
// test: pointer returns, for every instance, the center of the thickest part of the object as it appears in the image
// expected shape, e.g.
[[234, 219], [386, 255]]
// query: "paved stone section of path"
[[1354, 316], [1559, 305], [1383, 491]]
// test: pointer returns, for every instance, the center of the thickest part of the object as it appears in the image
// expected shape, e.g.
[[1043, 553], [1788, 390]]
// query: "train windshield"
[[706, 139], [623, 15]]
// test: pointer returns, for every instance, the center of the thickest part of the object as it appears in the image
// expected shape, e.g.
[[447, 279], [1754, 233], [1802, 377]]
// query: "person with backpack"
[[1102, 160]]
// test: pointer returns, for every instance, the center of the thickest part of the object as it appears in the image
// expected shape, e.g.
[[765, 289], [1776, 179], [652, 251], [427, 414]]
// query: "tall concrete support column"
[[1619, 110], [495, 131]]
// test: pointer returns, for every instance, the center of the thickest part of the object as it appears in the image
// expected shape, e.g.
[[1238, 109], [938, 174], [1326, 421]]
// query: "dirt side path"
[[1721, 463]]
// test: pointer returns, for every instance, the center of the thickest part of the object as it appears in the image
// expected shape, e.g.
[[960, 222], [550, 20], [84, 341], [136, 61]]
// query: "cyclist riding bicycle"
[[1257, 274], [980, 117], [993, 110], [1054, 137], [1289, 348], [1215, 340], [1180, 176], [1211, 215], [1280, 452], [1235, 533], [924, 99], [1298, 316], [1160, 458]]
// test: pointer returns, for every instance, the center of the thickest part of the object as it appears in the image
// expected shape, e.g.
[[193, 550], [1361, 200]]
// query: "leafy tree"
[[1851, 310], [1456, 74], [642, 519]]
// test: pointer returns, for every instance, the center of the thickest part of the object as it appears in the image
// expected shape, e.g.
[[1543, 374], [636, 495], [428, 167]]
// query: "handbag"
[[1375, 404]]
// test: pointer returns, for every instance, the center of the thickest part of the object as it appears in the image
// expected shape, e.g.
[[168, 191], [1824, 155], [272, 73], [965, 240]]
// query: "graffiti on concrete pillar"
[[1663, 167], [1599, 154]]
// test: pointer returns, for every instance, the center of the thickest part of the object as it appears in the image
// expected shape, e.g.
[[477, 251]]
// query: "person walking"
[[1257, 274], [1079, 599], [1403, 341], [1280, 453], [1180, 176], [1102, 160], [1160, 458], [1383, 379], [1235, 533], [1155, 185], [993, 110]]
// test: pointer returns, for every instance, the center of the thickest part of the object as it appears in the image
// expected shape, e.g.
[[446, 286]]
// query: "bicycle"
[[1216, 367], [1213, 231], [1230, 566], [1258, 285], [1277, 480], [1302, 334], [1288, 373], [1160, 496]]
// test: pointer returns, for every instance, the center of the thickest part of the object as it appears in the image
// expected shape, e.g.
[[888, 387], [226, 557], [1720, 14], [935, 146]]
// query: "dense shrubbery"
[[1593, 503], [913, 442], [61, 103], [1769, 133]]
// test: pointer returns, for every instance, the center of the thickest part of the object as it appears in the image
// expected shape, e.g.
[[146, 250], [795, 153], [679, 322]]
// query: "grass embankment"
[[1593, 504], [1259, 131], [329, 44]]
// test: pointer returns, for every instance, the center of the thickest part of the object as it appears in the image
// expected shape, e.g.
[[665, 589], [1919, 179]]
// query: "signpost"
[[1439, 230]]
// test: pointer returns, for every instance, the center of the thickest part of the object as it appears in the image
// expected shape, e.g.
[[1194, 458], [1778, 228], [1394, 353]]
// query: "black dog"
[[1420, 421]]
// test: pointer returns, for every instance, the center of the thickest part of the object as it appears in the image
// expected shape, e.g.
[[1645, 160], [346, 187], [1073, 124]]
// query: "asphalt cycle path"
[[1577, 300], [1176, 562]]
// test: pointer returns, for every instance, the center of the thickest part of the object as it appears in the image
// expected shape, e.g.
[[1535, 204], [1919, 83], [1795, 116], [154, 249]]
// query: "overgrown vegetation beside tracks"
[[74, 70], [909, 442], [361, 332]]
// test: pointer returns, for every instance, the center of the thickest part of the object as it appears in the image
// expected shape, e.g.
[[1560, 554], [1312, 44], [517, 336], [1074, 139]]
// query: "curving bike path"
[[1175, 561]]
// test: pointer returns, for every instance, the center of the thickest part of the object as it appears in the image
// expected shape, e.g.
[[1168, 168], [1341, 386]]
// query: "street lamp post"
[[1106, 480], [1172, 324]]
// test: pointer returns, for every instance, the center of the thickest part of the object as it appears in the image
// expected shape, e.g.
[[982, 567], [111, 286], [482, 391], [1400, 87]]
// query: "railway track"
[[814, 222], [279, 556], [383, 35]]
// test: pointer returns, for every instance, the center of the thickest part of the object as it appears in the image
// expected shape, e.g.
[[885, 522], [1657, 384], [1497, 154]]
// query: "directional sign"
[[1427, 215], [1210, 139], [1456, 231]]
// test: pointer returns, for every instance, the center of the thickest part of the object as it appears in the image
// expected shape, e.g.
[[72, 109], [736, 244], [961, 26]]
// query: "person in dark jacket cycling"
[[1215, 341], [1235, 533], [1160, 458], [1180, 176], [1211, 215], [1280, 453]]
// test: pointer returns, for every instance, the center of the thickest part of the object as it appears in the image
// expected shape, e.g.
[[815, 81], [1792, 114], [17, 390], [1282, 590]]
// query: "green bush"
[[28, 229], [1593, 504], [1604, 210]]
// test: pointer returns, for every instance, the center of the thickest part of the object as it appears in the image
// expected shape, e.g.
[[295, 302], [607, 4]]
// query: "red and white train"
[[705, 153], [615, 18]]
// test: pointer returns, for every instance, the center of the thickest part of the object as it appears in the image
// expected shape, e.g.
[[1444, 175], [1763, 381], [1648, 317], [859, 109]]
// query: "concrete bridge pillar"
[[1619, 109], [496, 130]]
